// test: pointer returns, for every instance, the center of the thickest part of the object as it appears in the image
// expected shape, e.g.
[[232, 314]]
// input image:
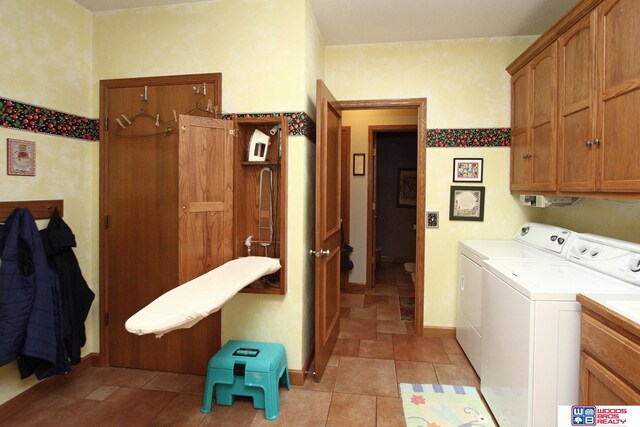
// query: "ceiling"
[[343, 22]]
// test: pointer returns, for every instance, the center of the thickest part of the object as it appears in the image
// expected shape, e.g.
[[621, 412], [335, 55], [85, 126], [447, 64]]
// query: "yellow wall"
[[612, 218], [466, 86], [259, 46], [46, 51]]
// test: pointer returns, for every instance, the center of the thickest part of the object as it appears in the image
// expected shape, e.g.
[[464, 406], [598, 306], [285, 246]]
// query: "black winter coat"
[[29, 298], [59, 241]]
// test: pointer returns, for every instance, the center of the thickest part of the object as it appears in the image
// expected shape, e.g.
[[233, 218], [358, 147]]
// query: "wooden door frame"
[[345, 209], [374, 130], [105, 86], [419, 104]]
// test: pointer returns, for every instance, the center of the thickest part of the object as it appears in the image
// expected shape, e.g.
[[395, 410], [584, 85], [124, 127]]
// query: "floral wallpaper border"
[[458, 138], [31, 118], [300, 124]]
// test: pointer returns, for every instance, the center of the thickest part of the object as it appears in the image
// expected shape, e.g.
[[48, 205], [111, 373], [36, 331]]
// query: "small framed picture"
[[467, 170], [433, 219], [21, 157], [467, 204], [358, 164], [407, 188]]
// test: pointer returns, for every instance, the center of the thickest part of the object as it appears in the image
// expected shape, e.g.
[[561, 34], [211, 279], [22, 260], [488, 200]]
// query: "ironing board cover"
[[184, 306]]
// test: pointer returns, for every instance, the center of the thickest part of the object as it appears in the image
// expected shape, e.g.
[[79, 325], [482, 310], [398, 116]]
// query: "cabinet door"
[[576, 130], [519, 129], [542, 162], [619, 96], [205, 196], [600, 386]]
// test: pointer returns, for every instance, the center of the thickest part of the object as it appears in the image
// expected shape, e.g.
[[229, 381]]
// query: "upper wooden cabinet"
[[596, 99], [576, 118], [618, 127], [533, 150]]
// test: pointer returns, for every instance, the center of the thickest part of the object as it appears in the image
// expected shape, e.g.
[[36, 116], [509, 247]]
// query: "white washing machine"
[[532, 241], [531, 325]]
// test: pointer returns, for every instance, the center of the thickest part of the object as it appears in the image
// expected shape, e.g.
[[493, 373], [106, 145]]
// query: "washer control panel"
[[613, 257], [542, 236]]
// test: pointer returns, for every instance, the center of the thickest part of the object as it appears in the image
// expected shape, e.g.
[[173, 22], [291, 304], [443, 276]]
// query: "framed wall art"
[[21, 157], [407, 188], [358, 164], [467, 170], [467, 204]]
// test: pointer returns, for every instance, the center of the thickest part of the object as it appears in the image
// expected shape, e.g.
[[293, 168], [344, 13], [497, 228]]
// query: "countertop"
[[621, 310]]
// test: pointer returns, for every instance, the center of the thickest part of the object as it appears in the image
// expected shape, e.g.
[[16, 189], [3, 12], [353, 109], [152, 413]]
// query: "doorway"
[[417, 108]]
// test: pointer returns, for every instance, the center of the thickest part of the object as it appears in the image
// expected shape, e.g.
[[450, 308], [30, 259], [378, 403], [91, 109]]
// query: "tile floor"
[[375, 352]]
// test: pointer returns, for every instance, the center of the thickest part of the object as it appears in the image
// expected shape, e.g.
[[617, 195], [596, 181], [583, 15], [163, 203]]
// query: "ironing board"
[[187, 304]]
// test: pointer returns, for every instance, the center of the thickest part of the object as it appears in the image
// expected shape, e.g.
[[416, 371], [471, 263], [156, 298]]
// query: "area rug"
[[407, 308], [439, 405]]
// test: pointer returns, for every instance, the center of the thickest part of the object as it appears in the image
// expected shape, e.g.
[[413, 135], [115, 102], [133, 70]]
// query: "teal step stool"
[[247, 368]]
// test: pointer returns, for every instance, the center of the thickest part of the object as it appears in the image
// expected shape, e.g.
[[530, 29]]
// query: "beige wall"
[[46, 51], [260, 47], [607, 217], [466, 86]]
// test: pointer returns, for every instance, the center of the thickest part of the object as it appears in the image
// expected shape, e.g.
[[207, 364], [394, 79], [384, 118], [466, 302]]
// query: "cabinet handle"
[[588, 143], [596, 141]]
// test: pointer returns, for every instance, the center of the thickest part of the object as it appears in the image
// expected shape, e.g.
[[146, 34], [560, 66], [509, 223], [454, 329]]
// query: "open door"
[[327, 236]]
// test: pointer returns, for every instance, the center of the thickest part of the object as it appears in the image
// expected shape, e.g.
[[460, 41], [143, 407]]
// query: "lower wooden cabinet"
[[609, 357]]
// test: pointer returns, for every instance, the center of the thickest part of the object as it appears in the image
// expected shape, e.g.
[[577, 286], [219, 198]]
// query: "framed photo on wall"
[[358, 164], [467, 170], [21, 157], [467, 204], [407, 188]]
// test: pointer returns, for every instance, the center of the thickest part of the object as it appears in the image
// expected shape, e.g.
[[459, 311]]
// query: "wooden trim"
[[439, 331], [296, 377], [40, 389], [576, 13], [40, 209], [421, 105]]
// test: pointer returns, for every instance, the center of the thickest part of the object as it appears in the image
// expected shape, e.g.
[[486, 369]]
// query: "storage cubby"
[[259, 198]]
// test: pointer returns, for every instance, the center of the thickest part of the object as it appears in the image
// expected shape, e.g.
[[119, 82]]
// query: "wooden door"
[[139, 214], [205, 206], [327, 235], [576, 128], [542, 163], [519, 130], [619, 96]]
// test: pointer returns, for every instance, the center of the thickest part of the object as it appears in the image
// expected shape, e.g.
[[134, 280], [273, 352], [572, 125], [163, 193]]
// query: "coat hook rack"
[[145, 95], [196, 90], [40, 209]]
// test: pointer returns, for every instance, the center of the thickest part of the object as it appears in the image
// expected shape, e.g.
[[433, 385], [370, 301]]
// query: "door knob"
[[321, 252], [588, 143], [596, 141]]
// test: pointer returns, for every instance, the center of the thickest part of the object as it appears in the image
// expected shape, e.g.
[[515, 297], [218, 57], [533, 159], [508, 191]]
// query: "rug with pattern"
[[439, 405]]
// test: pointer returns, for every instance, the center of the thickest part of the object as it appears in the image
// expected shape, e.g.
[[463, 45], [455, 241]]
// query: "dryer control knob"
[[634, 264]]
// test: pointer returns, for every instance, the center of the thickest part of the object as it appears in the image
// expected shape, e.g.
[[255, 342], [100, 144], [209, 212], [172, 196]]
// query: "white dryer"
[[532, 241], [531, 325]]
